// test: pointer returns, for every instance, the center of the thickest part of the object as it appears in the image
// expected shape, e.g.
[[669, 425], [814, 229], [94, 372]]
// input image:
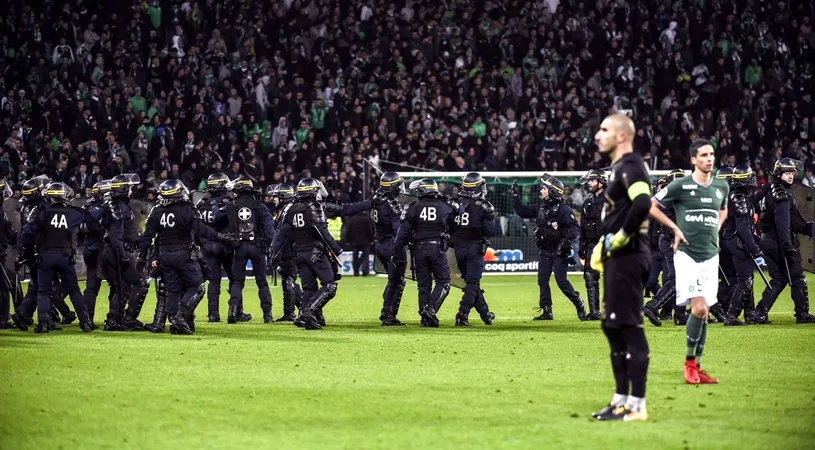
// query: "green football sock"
[[700, 346], [693, 335]]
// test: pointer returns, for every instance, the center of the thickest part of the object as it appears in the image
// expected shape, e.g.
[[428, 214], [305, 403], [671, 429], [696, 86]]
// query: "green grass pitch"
[[517, 384]]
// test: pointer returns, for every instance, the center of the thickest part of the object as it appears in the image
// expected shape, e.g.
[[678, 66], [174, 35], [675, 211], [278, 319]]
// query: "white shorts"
[[696, 279]]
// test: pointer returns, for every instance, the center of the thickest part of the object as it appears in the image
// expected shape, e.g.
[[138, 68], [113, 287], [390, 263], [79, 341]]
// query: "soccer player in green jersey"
[[700, 205]]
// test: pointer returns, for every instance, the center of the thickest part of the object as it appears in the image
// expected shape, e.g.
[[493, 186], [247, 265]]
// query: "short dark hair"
[[696, 145]]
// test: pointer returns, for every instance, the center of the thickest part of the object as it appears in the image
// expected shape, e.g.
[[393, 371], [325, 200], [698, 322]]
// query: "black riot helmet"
[[58, 193], [555, 187], [120, 184], [786, 165], [283, 192], [743, 175], [32, 189], [725, 173], [244, 184], [172, 191], [391, 184], [674, 175], [425, 188], [311, 188], [596, 175], [99, 189], [217, 182], [473, 185]]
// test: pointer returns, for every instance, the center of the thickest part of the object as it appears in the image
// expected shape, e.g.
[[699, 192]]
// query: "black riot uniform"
[[303, 225], [32, 202], [780, 223], [665, 298], [282, 195], [738, 239], [53, 228], [425, 224], [474, 225], [214, 254], [657, 260], [172, 222], [8, 284], [118, 258], [90, 235], [385, 216], [727, 273], [590, 233], [250, 221], [556, 228]]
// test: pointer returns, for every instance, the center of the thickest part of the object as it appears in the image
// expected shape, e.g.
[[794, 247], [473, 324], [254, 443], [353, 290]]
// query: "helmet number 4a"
[[428, 214], [463, 219]]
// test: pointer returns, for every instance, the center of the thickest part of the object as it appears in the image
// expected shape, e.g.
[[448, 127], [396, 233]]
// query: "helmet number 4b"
[[167, 220], [463, 219], [299, 220], [428, 214]]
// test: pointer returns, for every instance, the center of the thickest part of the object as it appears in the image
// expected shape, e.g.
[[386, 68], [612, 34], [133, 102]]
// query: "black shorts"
[[624, 282]]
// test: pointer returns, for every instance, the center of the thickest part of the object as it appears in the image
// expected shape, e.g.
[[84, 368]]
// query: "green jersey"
[[697, 208]]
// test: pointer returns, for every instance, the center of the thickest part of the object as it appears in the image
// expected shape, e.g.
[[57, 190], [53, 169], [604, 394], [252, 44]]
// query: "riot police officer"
[[8, 237], [556, 228], [385, 217], [727, 273], [739, 240], [657, 260], [590, 233], [118, 257], [249, 220], [215, 255], [172, 222], [666, 295], [90, 235], [474, 225], [283, 195], [425, 224], [52, 227], [303, 226], [31, 202], [780, 223]]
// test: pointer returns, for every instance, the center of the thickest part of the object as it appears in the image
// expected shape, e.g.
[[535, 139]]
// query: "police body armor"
[[120, 210], [468, 229], [665, 232], [548, 234], [738, 205], [57, 234], [592, 223], [430, 224], [775, 192], [205, 207], [243, 217], [28, 211], [382, 224], [91, 231], [303, 216], [172, 234]]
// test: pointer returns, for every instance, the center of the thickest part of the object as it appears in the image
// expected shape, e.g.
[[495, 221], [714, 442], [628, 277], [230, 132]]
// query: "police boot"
[[594, 305], [243, 317], [546, 314], [488, 318], [392, 322], [288, 309], [214, 318], [43, 326], [112, 325], [718, 312], [267, 317], [320, 317], [159, 317], [19, 321], [580, 306], [54, 313], [68, 318], [232, 315], [179, 325], [461, 320], [429, 318], [680, 316]]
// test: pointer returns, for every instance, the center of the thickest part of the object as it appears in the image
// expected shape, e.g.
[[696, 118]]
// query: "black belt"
[[429, 242]]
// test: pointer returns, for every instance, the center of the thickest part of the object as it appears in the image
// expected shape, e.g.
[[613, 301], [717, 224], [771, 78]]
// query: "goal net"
[[513, 250]]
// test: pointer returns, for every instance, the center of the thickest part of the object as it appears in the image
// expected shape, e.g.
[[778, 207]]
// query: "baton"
[[761, 272], [724, 277]]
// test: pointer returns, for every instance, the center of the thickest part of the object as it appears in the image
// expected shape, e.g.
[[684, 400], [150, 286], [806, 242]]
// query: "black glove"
[[229, 239], [564, 248], [516, 191], [789, 249], [20, 261], [141, 263], [756, 253], [581, 252], [378, 199]]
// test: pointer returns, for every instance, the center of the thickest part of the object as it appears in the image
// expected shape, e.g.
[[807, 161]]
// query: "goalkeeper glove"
[[615, 242], [596, 262]]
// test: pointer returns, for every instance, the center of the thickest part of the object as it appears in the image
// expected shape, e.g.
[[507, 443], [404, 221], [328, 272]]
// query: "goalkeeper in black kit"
[[624, 256]]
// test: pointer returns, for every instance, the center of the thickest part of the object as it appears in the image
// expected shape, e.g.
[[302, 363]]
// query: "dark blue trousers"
[[471, 264], [215, 256], [181, 279], [549, 262], [92, 280], [248, 251], [396, 267], [431, 265], [54, 264]]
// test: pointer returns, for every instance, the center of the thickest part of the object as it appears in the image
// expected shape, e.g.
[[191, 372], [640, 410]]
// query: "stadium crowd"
[[286, 89]]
